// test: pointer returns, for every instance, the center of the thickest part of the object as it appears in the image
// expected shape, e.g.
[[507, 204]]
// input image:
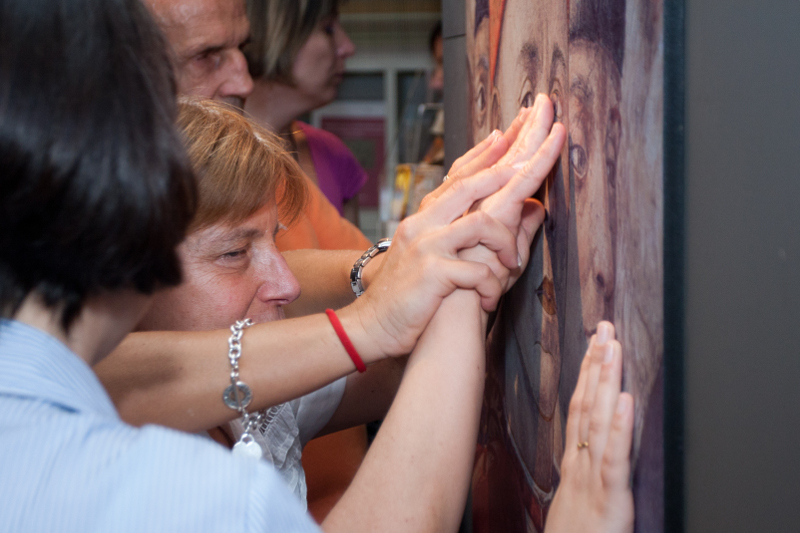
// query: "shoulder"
[[131, 479], [324, 142]]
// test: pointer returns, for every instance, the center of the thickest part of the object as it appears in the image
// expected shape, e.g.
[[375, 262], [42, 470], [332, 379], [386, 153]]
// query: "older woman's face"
[[231, 272], [318, 68]]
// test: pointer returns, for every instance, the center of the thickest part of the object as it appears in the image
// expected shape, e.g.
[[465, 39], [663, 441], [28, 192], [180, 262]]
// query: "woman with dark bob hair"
[[94, 198]]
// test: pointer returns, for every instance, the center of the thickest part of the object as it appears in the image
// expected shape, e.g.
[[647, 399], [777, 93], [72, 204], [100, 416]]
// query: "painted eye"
[[495, 116], [578, 160], [547, 296], [558, 107], [480, 101], [527, 99]]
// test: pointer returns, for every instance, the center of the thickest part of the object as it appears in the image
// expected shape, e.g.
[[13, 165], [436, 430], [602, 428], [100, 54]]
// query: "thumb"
[[531, 220]]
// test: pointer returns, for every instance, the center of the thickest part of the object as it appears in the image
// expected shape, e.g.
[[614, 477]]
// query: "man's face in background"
[[205, 37]]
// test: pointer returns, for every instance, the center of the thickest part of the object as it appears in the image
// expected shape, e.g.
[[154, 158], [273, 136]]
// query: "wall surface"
[[742, 266]]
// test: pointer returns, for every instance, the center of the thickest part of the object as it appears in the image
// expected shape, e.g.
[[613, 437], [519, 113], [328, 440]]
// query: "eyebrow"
[[581, 90], [529, 57], [557, 60], [483, 64], [230, 237]]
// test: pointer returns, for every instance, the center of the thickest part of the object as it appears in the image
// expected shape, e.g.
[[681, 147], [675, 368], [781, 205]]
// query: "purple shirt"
[[339, 175]]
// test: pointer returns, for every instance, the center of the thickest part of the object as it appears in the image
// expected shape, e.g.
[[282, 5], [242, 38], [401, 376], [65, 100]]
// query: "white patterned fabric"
[[286, 428]]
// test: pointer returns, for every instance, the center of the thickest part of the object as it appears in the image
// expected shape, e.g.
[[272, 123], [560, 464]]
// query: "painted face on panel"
[[595, 131], [531, 55], [318, 68], [480, 88], [231, 272], [206, 37]]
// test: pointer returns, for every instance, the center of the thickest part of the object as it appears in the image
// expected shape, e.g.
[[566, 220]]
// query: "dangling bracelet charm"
[[238, 395]]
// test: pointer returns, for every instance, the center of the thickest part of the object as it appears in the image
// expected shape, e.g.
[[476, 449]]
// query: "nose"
[[237, 82], [344, 46], [280, 287]]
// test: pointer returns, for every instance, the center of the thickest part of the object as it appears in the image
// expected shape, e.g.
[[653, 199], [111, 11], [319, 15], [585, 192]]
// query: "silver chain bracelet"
[[238, 395]]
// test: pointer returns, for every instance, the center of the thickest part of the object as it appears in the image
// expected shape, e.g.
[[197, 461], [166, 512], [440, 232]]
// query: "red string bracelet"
[[351, 350]]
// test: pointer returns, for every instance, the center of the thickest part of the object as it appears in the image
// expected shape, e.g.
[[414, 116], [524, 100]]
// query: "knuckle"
[[595, 425], [427, 199], [405, 231], [586, 407], [608, 463], [575, 406], [458, 187]]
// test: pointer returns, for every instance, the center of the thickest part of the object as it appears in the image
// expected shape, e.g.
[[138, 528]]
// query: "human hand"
[[594, 495], [536, 146], [422, 267]]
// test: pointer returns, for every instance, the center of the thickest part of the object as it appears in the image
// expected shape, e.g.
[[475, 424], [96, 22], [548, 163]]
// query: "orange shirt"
[[321, 227]]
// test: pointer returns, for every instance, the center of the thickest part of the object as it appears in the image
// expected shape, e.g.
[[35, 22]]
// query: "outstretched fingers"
[[599, 347], [533, 173], [517, 125], [616, 467], [482, 156], [576, 404], [532, 133], [594, 494], [455, 199], [605, 402]]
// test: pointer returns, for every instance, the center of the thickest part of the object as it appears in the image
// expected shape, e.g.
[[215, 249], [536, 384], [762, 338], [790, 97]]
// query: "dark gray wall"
[[455, 80], [742, 266]]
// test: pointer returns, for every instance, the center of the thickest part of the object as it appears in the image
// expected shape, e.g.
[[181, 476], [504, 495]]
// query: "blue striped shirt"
[[68, 463]]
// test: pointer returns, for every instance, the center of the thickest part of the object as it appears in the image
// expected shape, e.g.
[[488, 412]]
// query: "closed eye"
[[235, 254]]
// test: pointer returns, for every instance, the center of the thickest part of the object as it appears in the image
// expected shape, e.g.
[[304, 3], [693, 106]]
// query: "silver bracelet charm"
[[355, 273], [238, 395]]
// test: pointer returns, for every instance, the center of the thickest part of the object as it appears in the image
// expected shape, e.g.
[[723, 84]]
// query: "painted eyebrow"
[[582, 91], [557, 60], [529, 57]]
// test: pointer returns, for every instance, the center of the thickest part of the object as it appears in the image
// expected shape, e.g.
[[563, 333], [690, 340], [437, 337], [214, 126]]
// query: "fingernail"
[[623, 404], [603, 333], [609, 353], [495, 136], [519, 261]]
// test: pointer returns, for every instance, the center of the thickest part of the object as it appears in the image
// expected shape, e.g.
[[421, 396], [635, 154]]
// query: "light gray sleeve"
[[317, 408]]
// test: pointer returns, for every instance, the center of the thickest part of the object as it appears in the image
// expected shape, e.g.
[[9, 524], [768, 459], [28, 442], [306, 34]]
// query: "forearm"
[[368, 396], [416, 474], [176, 379], [324, 277]]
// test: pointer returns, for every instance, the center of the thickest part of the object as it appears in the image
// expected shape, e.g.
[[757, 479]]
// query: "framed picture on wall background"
[[600, 253]]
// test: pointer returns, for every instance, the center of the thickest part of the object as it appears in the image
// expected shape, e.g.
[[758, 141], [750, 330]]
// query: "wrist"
[[362, 332], [371, 269]]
